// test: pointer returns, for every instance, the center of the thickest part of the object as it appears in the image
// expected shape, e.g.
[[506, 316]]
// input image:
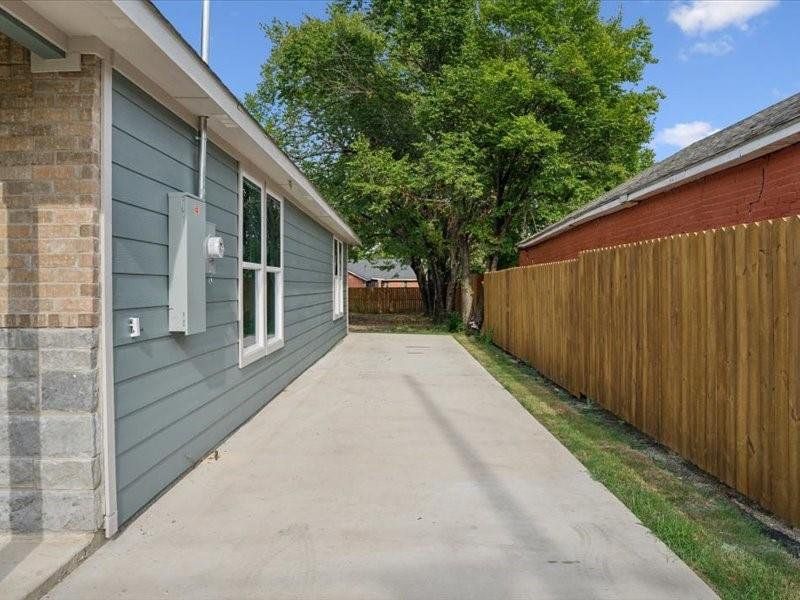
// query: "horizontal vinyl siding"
[[177, 397]]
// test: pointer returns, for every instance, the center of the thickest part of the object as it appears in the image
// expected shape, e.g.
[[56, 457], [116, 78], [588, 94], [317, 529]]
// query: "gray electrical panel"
[[187, 263], [193, 247]]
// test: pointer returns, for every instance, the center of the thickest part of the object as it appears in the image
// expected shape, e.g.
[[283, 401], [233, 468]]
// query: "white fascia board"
[[749, 151], [160, 33]]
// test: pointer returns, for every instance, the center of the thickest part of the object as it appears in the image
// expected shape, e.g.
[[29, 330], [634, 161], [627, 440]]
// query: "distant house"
[[380, 273], [745, 173]]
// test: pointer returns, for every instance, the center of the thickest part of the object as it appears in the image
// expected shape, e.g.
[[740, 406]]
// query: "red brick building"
[[354, 281], [747, 172], [385, 273]]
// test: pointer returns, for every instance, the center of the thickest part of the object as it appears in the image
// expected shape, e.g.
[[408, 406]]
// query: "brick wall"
[[353, 281], [50, 438], [765, 188], [49, 169]]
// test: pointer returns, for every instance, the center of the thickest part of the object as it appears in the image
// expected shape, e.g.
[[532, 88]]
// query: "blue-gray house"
[[185, 269]]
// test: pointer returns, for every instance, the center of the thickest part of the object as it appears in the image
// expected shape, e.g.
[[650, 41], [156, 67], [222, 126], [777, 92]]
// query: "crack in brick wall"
[[764, 188]]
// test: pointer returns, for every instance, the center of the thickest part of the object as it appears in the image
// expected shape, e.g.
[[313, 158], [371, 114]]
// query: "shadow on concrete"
[[519, 523]]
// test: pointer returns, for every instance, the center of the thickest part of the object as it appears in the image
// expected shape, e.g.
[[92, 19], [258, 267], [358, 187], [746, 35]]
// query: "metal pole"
[[201, 158], [203, 121], [204, 31]]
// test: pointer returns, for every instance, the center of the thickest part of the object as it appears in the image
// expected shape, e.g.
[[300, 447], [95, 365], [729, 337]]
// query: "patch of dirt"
[[388, 323]]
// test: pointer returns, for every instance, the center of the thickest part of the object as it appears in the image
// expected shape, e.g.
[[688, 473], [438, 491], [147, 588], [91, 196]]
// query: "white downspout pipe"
[[106, 342], [203, 121]]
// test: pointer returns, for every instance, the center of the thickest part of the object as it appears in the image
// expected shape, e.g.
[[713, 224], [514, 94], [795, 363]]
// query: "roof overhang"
[[366, 278], [142, 40], [401, 279], [29, 37], [755, 148]]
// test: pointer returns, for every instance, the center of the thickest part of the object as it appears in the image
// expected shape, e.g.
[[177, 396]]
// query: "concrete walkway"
[[32, 562], [395, 468]]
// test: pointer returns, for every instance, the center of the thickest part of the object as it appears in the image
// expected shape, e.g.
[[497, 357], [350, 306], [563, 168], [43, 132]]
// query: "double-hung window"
[[261, 273], [338, 278], [274, 273]]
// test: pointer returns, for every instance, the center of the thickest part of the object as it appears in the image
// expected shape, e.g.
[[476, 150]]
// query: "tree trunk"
[[452, 271], [433, 286], [464, 281], [438, 278], [441, 307], [450, 288], [478, 308], [422, 281]]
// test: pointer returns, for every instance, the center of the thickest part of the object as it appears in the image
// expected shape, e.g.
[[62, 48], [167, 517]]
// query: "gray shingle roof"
[[382, 268], [755, 126]]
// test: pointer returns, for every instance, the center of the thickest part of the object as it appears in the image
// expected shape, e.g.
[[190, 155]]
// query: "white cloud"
[[683, 134], [719, 47], [702, 16]]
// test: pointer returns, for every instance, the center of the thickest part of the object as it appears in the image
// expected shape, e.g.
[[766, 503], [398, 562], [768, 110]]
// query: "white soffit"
[[138, 34]]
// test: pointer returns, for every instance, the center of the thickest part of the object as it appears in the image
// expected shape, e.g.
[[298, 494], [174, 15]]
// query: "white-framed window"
[[274, 273], [338, 278], [260, 271]]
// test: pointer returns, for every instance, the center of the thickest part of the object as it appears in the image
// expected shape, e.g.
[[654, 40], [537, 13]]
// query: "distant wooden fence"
[[694, 339], [385, 300]]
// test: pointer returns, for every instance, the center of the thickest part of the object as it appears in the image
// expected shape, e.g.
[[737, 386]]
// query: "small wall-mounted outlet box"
[[134, 327]]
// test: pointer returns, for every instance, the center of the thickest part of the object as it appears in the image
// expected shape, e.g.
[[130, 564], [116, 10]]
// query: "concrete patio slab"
[[31, 563], [396, 467]]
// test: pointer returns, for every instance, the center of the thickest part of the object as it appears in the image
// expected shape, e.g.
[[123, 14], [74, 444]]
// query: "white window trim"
[[338, 292], [263, 345], [257, 350], [276, 343]]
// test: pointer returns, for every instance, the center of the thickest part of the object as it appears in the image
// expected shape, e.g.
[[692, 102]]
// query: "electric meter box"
[[187, 263]]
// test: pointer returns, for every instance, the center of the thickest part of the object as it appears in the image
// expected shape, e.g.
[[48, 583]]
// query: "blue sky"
[[718, 61]]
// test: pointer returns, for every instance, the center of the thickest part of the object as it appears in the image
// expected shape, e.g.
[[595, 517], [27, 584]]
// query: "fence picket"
[[780, 434], [693, 338], [793, 365], [742, 375], [384, 300]]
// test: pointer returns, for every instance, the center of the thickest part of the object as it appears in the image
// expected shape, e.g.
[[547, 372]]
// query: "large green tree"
[[445, 130]]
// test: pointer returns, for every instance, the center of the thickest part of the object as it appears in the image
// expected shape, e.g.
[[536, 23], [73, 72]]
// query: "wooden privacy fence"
[[385, 300], [694, 339]]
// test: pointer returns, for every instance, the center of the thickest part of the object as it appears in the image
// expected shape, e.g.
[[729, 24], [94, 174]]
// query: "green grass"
[[688, 511]]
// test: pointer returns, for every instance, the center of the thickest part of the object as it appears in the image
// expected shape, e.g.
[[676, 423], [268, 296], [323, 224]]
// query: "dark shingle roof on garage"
[[382, 268], [756, 126]]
